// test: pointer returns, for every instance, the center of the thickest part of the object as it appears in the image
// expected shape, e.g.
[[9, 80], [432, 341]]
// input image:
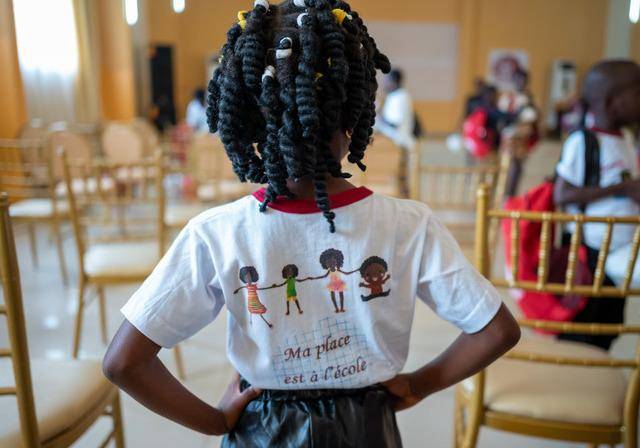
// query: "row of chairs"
[[545, 387], [57, 401]]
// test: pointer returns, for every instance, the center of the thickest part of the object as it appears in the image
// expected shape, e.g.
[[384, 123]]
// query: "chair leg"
[[472, 428], [118, 429], [31, 228], [103, 315], [458, 419], [79, 315], [177, 354], [55, 229], [631, 433]]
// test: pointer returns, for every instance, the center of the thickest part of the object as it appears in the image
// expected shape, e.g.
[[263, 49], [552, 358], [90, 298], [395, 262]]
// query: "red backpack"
[[541, 305], [479, 138]]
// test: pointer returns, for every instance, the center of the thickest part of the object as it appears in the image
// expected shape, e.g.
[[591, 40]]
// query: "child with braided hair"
[[293, 97]]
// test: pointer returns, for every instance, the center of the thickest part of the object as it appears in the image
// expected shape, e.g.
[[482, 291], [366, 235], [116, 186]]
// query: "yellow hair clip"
[[340, 15], [242, 19]]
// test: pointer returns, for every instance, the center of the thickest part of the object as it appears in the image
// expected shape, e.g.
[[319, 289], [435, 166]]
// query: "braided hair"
[[290, 77]]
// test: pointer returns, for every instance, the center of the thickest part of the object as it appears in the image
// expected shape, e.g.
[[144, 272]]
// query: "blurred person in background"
[[196, 116], [397, 121], [476, 99], [482, 125], [522, 133]]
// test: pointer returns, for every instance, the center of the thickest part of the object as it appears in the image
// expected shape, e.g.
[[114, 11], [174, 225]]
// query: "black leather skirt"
[[332, 418]]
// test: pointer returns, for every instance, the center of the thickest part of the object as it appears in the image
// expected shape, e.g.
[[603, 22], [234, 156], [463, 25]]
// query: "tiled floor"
[[50, 308]]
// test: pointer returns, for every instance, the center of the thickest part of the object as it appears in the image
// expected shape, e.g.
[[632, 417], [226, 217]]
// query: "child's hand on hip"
[[402, 392], [233, 402]]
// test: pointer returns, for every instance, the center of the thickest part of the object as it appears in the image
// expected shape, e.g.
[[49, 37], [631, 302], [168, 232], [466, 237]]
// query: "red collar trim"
[[606, 132], [308, 206]]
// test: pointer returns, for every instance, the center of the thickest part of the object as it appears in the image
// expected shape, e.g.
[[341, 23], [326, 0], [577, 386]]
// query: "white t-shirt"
[[617, 163], [196, 116], [397, 118], [355, 289]]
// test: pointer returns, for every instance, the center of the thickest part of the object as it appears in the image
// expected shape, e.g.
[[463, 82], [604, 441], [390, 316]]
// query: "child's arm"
[[314, 278], [387, 277], [468, 354], [132, 364], [271, 287], [566, 193]]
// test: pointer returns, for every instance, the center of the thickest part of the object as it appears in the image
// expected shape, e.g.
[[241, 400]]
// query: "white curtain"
[[47, 43]]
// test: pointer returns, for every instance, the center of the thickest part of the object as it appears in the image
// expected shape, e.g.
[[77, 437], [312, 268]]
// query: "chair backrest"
[[149, 135], [212, 169], [205, 157], [114, 201], [383, 160], [454, 187], [122, 144], [18, 349], [76, 146], [26, 170], [485, 214], [35, 129]]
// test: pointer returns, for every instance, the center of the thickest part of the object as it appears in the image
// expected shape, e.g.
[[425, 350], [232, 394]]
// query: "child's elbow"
[[509, 335], [114, 368]]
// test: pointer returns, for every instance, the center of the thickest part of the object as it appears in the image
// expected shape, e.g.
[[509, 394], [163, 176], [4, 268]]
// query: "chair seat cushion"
[[386, 188], [180, 214], [130, 259], [226, 189], [588, 395], [37, 208], [64, 391]]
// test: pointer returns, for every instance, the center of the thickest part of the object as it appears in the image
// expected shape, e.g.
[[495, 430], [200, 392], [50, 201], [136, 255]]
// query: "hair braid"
[[275, 169], [289, 131], [253, 48]]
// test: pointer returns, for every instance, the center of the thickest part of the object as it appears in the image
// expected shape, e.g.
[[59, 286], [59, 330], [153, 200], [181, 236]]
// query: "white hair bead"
[[282, 54], [301, 18], [263, 3], [269, 72], [300, 3]]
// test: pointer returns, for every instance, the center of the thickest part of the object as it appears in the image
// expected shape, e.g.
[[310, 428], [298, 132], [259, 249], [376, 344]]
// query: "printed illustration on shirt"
[[249, 276], [332, 260], [374, 273], [290, 275]]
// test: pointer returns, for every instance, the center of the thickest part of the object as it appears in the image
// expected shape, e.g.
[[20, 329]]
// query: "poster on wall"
[[503, 64]]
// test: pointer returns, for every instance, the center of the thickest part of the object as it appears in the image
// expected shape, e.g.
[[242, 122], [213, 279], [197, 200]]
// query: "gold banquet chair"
[[213, 172], [57, 401], [545, 387], [119, 234], [451, 192], [27, 174], [383, 173]]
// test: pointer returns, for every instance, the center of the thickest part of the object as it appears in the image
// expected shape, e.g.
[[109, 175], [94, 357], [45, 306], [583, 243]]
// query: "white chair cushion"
[[64, 391], [121, 259], [227, 189], [180, 214], [84, 186], [37, 208], [588, 395], [387, 188]]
